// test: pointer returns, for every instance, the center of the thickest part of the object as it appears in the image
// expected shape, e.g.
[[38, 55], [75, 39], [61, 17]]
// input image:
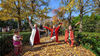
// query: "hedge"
[[90, 41], [6, 42]]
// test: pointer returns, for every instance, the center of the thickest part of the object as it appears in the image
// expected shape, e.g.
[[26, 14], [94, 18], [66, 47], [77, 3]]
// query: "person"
[[8, 29], [0, 29], [17, 42], [54, 32], [42, 31], [69, 36], [35, 37]]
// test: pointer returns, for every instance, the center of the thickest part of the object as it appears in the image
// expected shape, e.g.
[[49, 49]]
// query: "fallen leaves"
[[57, 49]]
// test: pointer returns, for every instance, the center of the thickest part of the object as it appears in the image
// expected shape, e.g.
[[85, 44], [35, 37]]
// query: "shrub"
[[90, 41], [6, 42]]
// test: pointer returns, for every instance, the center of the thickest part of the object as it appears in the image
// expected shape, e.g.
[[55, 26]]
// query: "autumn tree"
[[13, 9], [82, 6], [37, 10], [68, 8], [42, 15], [19, 9]]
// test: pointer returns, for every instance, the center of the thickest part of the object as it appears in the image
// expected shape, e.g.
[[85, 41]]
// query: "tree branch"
[[87, 12]]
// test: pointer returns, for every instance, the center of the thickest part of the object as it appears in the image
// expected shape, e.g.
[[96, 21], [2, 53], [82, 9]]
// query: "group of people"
[[35, 36]]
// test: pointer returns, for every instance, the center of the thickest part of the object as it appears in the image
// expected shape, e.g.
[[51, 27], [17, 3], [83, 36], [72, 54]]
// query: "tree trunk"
[[81, 15], [31, 18], [80, 30], [69, 20], [81, 19], [19, 24], [19, 18]]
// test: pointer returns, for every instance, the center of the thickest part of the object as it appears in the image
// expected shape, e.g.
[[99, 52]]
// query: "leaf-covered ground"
[[48, 48]]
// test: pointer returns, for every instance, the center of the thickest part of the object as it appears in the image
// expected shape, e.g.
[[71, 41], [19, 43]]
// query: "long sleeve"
[[57, 28], [31, 25], [47, 28], [15, 38], [66, 35], [41, 30], [72, 35]]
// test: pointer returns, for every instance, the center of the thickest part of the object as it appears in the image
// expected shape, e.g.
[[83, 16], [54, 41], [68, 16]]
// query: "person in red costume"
[[35, 36], [69, 36], [54, 32]]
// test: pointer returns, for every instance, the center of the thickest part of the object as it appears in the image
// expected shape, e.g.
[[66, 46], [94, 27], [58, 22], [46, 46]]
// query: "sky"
[[0, 2], [53, 4]]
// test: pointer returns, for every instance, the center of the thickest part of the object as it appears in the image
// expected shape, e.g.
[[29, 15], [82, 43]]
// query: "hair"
[[41, 27], [16, 31], [35, 23], [71, 26], [53, 25]]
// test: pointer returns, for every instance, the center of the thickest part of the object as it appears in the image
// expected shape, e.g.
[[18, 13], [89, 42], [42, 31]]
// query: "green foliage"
[[97, 29], [74, 21], [90, 23], [8, 23], [6, 41], [61, 31], [90, 41], [6, 44]]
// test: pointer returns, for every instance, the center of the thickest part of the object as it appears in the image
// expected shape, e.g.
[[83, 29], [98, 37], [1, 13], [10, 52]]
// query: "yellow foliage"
[[55, 19], [5, 10], [10, 10], [68, 6], [58, 50]]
